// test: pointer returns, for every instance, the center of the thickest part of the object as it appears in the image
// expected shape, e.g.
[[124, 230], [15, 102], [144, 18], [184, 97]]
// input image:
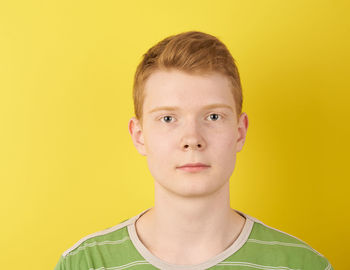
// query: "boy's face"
[[190, 132]]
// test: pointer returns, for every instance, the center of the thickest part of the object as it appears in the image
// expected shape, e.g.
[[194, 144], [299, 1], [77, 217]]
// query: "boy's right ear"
[[136, 133]]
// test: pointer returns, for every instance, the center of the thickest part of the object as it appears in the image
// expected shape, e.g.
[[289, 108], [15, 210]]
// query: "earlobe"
[[136, 133]]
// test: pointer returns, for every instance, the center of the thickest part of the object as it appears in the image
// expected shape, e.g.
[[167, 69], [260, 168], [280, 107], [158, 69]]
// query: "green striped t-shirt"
[[257, 247]]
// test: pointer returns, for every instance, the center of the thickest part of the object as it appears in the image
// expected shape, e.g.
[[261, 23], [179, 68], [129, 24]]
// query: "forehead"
[[180, 89]]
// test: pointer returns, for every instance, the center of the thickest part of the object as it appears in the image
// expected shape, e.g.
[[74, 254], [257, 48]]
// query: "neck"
[[197, 225]]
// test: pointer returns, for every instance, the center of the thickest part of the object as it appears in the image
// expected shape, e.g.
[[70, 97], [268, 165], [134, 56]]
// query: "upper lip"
[[194, 165]]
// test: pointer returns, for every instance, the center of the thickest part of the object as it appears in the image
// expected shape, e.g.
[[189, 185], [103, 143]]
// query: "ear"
[[136, 133], [242, 131]]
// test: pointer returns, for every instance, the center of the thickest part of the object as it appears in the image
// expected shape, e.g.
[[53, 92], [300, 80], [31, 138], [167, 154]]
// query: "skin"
[[191, 220]]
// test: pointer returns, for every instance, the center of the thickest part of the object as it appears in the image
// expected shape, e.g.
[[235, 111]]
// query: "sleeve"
[[329, 266], [61, 264]]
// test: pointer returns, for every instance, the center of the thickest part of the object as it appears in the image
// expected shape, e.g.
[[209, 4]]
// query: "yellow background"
[[68, 167]]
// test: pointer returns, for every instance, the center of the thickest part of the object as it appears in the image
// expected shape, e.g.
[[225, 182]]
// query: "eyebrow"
[[211, 106]]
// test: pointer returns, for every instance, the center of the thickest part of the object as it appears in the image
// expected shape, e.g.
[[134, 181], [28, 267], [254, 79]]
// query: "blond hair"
[[192, 52]]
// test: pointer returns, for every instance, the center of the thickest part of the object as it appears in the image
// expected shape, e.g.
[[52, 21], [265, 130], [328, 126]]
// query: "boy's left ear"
[[242, 131], [136, 133]]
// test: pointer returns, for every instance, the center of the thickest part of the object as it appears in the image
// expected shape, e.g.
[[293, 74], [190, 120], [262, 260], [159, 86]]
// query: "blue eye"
[[166, 118], [216, 116], [169, 118]]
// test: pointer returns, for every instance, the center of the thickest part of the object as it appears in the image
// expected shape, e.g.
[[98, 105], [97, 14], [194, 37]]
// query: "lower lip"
[[194, 169]]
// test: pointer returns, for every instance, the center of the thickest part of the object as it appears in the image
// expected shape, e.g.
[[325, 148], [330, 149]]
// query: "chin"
[[196, 187]]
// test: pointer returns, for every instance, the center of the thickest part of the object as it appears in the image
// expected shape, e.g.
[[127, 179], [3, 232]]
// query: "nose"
[[192, 138]]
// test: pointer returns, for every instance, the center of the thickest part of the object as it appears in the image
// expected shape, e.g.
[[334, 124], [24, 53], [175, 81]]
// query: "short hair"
[[192, 52]]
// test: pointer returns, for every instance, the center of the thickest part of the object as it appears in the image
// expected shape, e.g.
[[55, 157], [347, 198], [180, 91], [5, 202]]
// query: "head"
[[189, 74], [191, 52]]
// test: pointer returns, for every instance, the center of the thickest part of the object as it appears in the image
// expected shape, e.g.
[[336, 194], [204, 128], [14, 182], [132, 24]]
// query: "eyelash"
[[220, 115]]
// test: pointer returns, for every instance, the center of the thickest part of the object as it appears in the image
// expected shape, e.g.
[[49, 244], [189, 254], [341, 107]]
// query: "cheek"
[[156, 144], [230, 142], [224, 147], [160, 157], [226, 140], [227, 156]]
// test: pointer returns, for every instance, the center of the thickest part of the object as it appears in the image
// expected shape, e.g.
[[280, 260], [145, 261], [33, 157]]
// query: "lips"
[[194, 165]]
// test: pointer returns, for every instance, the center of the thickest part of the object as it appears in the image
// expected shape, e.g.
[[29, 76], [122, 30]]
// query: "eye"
[[167, 118], [214, 116]]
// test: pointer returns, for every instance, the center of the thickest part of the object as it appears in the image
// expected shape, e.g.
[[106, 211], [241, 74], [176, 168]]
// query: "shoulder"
[[111, 246], [286, 247], [115, 234], [96, 246]]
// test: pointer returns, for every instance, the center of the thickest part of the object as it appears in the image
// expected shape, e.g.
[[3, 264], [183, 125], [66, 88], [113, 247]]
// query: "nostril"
[[187, 146]]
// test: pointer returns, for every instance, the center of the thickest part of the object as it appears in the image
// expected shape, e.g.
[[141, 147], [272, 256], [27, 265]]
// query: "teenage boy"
[[190, 125]]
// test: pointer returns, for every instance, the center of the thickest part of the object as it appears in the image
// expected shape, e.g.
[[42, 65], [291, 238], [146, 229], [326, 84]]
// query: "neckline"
[[161, 264]]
